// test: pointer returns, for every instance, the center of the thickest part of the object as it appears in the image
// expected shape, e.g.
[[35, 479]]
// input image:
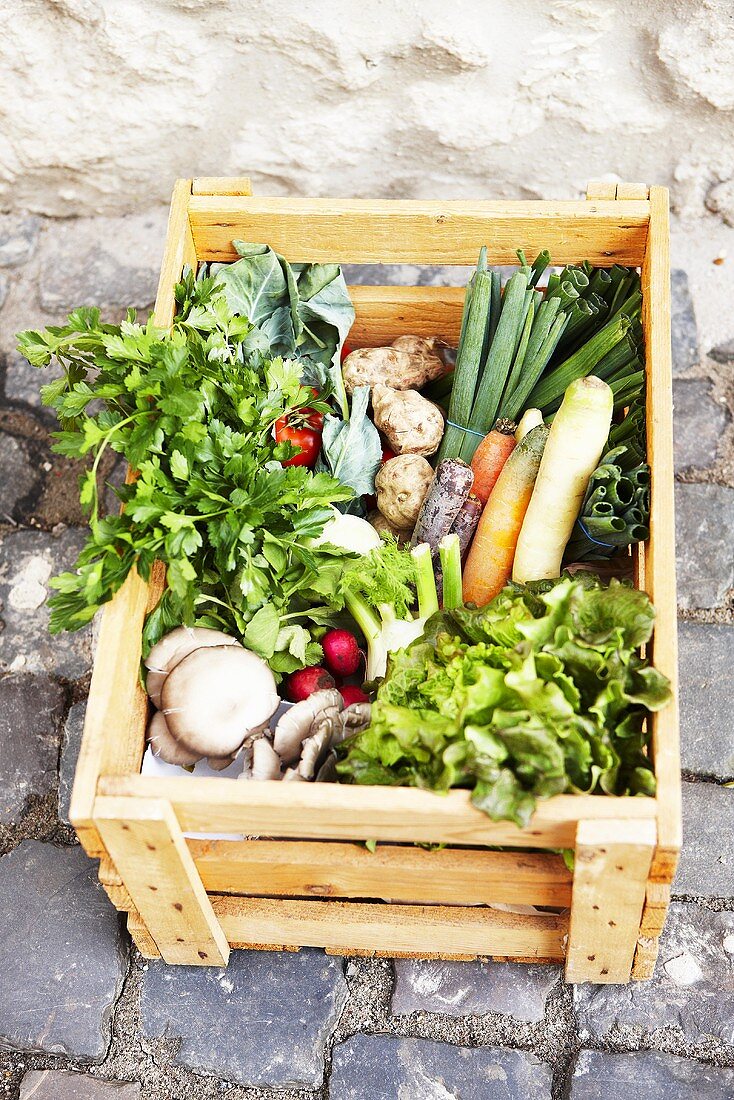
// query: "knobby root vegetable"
[[451, 486], [490, 456], [409, 364], [172, 648], [382, 525], [217, 697], [401, 485], [489, 563], [530, 419], [410, 423], [575, 444]]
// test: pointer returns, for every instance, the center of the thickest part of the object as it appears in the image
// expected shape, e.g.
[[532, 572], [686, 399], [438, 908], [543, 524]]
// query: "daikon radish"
[[577, 438]]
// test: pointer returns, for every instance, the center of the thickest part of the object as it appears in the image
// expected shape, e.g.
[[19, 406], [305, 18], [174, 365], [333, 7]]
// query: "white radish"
[[575, 444]]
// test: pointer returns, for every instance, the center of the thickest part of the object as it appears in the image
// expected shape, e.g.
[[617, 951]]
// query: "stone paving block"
[[18, 238], [108, 262], [51, 1084], [262, 1021], [706, 661], [723, 353], [23, 381], [698, 423], [600, 1076], [472, 988], [684, 331], [18, 476], [704, 546], [71, 743], [28, 558], [61, 956], [706, 867], [31, 708], [381, 1067], [692, 990]]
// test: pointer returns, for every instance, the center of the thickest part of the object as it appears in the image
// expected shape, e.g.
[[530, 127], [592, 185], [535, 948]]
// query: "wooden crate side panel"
[[421, 232], [414, 930], [150, 855], [660, 554], [114, 728], [610, 877], [385, 312], [327, 811], [345, 870]]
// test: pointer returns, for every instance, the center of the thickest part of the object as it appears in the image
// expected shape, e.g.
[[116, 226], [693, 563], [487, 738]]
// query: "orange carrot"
[[490, 456], [488, 566]]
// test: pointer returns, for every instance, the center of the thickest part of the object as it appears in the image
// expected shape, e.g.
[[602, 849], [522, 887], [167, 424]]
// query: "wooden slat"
[[114, 727], [410, 930], [660, 556], [334, 812], [601, 191], [384, 312], [141, 937], [293, 868], [146, 846], [610, 877], [633, 192], [221, 185], [422, 232]]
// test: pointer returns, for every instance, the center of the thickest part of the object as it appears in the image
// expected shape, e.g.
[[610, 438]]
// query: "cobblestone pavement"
[[83, 1016]]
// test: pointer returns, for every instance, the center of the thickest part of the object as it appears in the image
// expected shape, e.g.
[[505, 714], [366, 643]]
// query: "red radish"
[[306, 681], [350, 693], [346, 350], [341, 652]]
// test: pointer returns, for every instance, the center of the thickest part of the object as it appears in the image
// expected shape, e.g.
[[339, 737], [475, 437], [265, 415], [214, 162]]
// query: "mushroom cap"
[[172, 648], [265, 760], [165, 746], [216, 697], [295, 725]]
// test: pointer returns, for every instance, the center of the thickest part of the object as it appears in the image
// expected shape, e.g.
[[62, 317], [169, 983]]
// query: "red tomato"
[[302, 428]]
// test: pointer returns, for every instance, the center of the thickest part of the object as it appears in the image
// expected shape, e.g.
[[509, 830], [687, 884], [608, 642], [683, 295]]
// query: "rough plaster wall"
[[104, 102]]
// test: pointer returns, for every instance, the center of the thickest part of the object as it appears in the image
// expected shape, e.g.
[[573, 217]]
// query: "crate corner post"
[[149, 851], [612, 864]]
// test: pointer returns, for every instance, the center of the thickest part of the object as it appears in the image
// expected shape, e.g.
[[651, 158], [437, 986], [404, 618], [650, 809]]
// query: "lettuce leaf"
[[540, 692]]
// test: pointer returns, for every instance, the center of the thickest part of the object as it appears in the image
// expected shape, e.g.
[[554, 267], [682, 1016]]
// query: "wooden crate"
[[314, 883]]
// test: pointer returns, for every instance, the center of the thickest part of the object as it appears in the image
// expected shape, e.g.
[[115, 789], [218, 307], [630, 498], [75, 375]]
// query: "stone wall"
[[105, 102]]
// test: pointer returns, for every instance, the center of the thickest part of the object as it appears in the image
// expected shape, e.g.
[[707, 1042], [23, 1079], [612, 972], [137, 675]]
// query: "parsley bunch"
[[192, 410]]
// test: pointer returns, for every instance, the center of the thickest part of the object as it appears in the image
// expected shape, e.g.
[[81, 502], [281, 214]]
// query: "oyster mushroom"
[[172, 648], [295, 725], [265, 760], [165, 746], [213, 701]]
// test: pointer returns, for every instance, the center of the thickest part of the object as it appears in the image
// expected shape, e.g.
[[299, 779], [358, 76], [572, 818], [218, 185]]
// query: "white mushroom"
[[217, 697], [265, 760], [295, 725], [166, 747], [172, 648], [314, 751]]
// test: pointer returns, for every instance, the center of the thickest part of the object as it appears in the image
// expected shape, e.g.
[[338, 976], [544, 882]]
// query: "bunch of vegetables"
[[539, 692], [521, 347], [257, 460]]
